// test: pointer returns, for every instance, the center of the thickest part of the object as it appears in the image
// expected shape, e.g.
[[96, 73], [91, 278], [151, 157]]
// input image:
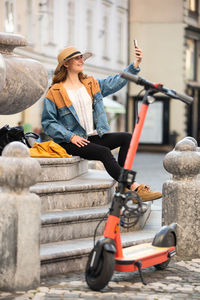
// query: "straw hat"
[[68, 53]]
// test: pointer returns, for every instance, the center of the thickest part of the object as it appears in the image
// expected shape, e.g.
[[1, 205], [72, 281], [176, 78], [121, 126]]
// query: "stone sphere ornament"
[[23, 81], [184, 160]]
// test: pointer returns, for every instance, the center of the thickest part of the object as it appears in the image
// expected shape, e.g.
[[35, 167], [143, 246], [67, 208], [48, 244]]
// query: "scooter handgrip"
[[185, 98], [137, 79], [129, 76]]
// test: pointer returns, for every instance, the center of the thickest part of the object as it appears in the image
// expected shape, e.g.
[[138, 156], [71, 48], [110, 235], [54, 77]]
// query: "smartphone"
[[135, 43]]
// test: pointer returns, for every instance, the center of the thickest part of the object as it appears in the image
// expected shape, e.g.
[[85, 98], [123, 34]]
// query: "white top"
[[82, 103]]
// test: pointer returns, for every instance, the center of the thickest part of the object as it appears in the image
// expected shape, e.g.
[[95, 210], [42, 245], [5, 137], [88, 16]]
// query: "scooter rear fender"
[[161, 239]]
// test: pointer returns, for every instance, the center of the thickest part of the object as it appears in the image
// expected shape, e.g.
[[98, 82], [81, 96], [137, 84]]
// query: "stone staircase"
[[74, 199]]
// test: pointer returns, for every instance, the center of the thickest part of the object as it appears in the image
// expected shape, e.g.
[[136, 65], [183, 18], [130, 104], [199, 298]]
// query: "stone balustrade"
[[19, 219], [181, 196]]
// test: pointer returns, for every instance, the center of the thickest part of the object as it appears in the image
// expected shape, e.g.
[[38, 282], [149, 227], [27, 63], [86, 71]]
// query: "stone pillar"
[[181, 196], [19, 220]]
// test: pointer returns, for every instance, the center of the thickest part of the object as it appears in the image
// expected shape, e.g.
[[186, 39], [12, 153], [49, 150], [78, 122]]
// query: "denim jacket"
[[59, 118]]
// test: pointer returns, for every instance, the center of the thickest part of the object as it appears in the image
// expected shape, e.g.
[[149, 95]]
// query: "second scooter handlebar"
[[156, 86]]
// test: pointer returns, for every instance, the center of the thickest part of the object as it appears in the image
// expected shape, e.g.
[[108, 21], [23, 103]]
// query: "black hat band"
[[74, 53]]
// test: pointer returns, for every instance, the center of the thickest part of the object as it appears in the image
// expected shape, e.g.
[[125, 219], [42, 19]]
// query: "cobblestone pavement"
[[181, 280]]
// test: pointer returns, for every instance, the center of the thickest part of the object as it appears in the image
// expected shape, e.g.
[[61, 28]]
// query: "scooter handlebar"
[[157, 86], [137, 79], [185, 98], [129, 76]]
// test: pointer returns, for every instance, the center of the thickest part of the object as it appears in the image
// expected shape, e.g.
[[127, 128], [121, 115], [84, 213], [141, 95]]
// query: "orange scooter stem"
[[135, 138], [112, 229]]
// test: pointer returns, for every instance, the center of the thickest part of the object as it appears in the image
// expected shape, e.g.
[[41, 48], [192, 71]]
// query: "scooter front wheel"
[[99, 278]]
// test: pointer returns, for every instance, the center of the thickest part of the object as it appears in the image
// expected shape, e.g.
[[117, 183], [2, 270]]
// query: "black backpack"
[[12, 134]]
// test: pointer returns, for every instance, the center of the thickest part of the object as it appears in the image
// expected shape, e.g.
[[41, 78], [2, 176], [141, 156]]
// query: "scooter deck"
[[148, 254]]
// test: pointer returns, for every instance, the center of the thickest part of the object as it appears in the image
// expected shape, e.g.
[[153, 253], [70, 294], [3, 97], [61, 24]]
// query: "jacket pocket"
[[67, 119]]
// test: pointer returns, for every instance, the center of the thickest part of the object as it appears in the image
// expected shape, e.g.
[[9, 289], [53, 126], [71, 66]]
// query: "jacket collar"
[[57, 86]]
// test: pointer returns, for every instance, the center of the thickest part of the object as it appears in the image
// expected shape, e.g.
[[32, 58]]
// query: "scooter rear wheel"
[[99, 278], [170, 242]]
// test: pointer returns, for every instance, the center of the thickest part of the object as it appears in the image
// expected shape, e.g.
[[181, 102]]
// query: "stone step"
[[95, 188], [80, 223], [56, 169], [71, 224], [71, 256]]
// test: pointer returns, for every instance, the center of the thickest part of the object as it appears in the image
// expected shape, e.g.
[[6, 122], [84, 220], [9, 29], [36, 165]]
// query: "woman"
[[74, 117]]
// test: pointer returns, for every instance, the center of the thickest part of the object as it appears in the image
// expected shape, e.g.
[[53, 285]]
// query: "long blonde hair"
[[61, 75]]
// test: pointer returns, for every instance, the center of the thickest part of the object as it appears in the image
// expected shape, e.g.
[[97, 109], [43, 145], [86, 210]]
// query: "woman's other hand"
[[79, 141], [138, 56]]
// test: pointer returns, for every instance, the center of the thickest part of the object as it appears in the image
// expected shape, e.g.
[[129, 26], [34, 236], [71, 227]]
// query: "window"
[[70, 23], [29, 20], [192, 5], [105, 29], [191, 59], [89, 29], [46, 22], [156, 126], [105, 37], [121, 35], [193, 8], [120, 41], [9, 16], [50, 21]]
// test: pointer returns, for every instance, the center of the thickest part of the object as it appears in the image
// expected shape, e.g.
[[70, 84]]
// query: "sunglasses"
[[78, 57]]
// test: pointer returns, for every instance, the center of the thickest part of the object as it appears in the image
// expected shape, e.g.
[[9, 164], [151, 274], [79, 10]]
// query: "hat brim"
[[86, 55]]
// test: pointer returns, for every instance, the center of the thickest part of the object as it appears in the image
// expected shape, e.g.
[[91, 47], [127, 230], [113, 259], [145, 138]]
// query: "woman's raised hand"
[[79, 141], [138, 56]]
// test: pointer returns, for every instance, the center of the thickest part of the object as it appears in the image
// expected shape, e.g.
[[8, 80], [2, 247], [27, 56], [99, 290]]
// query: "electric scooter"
[[108, 254]]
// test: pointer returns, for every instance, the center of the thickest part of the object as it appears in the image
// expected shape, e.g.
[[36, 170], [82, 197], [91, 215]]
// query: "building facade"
[[99, 26], [169, 34]]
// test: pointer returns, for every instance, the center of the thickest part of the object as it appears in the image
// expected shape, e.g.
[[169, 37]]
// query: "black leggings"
[[100, 148]]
